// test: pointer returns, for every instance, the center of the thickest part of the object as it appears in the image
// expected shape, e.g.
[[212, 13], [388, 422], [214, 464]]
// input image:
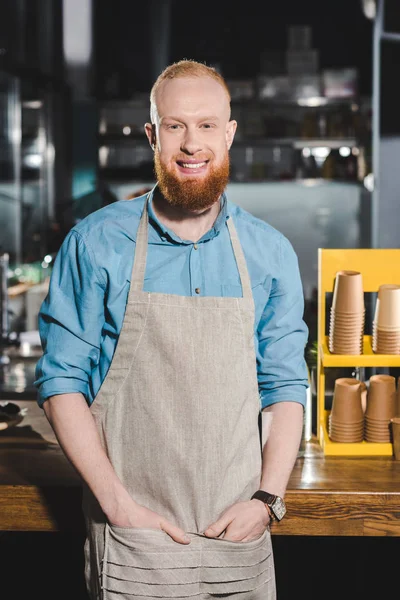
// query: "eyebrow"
[[207, 118]]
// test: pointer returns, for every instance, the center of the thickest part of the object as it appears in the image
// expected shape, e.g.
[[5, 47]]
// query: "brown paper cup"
[[395, 427], [347, 318], [381, 397], [350, 439], [397, 407], [387, 308], [348, 293], [346, 402]]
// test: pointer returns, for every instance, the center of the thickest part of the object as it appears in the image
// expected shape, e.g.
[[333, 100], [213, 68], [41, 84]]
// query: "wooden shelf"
[[367, 359]]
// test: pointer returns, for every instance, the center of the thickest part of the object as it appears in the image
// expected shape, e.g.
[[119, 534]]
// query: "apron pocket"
[[229, 567], [148, 562]]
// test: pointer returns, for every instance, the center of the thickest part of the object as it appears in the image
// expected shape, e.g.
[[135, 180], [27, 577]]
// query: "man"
[[171, 321]]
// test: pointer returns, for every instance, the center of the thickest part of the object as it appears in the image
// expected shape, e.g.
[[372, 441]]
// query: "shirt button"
[[195, 246], [197, 290]]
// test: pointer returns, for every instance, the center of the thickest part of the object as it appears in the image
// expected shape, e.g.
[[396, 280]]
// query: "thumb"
[[176, 533], [218, 527]]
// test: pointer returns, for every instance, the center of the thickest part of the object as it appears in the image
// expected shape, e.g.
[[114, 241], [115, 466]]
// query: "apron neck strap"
[[240, 260], [139, 264]]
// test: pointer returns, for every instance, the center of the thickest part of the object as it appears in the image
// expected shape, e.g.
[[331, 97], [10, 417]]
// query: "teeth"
[[193, 165]]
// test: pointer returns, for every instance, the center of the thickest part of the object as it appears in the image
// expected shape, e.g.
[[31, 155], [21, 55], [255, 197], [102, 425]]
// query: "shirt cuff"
[[61, 385], [289, 393]]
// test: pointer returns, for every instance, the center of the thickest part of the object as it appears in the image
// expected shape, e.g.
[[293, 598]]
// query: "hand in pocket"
[[143, 518]]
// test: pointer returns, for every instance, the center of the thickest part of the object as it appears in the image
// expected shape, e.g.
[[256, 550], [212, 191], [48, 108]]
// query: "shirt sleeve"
[[282, 336], [71, 320]]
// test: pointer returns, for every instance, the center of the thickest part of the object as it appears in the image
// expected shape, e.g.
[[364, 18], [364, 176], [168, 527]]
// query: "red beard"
[[192, 194]]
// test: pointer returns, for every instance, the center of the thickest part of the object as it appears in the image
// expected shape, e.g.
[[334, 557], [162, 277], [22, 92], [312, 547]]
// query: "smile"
[[191, 166]]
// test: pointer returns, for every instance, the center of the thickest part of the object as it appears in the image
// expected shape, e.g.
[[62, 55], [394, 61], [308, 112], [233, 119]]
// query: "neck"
[[188, 225]]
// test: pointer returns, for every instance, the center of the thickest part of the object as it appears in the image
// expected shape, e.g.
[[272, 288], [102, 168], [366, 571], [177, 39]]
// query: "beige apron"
[[178, 414]]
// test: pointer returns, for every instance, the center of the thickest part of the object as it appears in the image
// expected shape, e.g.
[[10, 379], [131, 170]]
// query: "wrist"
[[266, 507], [118, 505]]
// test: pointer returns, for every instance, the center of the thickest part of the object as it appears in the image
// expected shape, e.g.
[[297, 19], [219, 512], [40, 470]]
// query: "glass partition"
[[10, 172], [26, 175]]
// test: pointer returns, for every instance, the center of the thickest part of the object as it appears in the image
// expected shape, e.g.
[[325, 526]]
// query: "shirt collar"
[[167, 234]]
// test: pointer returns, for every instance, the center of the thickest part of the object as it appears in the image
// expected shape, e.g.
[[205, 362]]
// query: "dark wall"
[[230, 35]]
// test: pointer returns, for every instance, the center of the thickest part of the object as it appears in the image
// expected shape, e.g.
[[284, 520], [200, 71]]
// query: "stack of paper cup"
[[386, 323], [381, 407], [347, 317], [346, 419]]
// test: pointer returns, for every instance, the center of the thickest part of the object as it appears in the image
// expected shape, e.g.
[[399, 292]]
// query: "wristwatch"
[[275, 504]]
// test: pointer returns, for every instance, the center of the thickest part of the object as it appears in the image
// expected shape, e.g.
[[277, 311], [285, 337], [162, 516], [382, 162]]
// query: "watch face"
[[279, 508]]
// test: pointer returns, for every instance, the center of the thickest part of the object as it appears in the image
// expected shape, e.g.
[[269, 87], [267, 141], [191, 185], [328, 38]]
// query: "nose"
[[190, 143]]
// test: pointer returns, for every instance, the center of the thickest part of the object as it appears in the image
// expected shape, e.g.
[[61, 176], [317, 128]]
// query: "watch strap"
[[268, 500]]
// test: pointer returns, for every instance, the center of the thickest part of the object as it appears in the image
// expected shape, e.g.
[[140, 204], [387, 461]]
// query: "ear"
[[150, 131], [230, 133]]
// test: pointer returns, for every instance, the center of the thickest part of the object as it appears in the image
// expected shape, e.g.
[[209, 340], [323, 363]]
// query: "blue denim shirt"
[[82, 315]]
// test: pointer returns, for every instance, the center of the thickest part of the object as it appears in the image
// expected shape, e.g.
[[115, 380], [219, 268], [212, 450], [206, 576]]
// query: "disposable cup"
[[395, 429], [387, 288], [337, 348], [336, 321], [352, 340], [384, 350], [381, 397], [375, 422], [382, 436], [348, 293], [352, 352], [382, 347], [341, 431], [343, 437], [389, 346], [348, 440], [376, 439], [387, 307], [383, 431], [397, 407], [381, 427], [340, 317], [390, 332], [337, 344], [387, 339], [346, 427], [350, 345], [347, 332], [346, 326], [346, 402]]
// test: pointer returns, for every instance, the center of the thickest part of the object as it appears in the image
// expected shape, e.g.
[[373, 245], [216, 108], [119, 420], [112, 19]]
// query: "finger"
[[234, 535], [177, 534], [218, 527]]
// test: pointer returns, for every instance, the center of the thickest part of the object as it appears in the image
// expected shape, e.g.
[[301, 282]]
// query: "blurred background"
[[314, 91]]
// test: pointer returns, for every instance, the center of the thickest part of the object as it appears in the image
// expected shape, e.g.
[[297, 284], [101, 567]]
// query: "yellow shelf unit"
[[378, 266]]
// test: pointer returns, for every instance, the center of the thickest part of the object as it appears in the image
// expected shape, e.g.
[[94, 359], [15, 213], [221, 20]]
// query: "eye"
[[174, 127], [207, 125]]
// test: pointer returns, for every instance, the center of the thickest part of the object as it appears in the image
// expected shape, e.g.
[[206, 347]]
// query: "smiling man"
[[172, 323]]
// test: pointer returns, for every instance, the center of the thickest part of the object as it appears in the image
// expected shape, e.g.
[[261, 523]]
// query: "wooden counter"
[[327, 496]]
